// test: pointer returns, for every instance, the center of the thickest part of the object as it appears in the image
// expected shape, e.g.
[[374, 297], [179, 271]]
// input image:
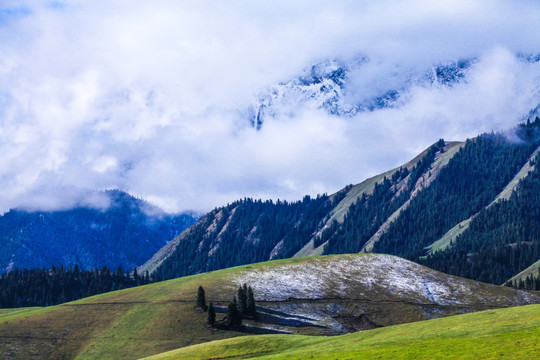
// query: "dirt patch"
[[356, 322]]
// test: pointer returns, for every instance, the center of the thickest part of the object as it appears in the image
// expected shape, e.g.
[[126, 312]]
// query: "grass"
[[310, 250], [151, 319], [447, 239], [512, 333], [124, 324], [512, 185]]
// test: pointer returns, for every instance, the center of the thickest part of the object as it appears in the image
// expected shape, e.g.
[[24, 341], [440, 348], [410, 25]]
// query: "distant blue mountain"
[[126, 234]]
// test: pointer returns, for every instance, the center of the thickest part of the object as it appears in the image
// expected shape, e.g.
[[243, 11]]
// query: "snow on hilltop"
[[363, 276]]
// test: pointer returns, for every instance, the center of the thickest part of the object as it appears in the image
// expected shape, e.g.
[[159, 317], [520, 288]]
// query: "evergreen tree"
[[43, 287], [201, 299], [251, 308], [211, 320], [234, 318], [242, 299]]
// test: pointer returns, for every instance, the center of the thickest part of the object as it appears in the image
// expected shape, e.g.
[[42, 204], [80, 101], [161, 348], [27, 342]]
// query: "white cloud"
[[147, 96]]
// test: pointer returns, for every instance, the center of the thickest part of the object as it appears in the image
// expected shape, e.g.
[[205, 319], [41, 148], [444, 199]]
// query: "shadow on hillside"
[[274, 317]]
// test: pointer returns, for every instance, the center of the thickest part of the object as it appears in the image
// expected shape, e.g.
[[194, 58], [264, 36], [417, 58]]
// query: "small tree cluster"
[[246, 301], [242, 305]]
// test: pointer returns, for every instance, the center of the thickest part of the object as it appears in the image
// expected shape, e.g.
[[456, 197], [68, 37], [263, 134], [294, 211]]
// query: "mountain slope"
[[250, 231], [126, 233], [243, 232], [313, 296], [505, 194], [533, 270], [496, 334], [425, 205]]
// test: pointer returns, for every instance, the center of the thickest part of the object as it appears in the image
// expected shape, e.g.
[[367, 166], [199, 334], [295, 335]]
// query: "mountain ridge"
[[467, 176]]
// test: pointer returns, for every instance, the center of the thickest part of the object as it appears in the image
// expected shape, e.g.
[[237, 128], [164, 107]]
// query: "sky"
[[151, 97]]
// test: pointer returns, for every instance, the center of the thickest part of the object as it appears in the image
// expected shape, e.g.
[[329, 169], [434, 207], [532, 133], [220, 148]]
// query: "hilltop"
[[327, 295]]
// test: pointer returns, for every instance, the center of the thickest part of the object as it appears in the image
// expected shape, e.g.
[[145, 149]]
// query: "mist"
[[151, 97]]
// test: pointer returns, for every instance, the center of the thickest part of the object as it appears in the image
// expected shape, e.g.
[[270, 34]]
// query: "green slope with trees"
[[311, 296]]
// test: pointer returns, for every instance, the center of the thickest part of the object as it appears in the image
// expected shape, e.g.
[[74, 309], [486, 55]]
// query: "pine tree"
[[211, 315], [242, 299], [201, 299], [234, 318], [250, 308]]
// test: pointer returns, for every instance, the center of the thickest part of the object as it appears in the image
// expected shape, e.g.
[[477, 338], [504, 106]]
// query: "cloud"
[[150, 97]]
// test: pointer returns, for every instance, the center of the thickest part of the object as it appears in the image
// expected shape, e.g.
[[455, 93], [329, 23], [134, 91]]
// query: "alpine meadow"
[[269, 180]]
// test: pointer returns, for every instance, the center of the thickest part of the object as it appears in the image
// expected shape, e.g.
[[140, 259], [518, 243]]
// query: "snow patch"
[[350, 277]]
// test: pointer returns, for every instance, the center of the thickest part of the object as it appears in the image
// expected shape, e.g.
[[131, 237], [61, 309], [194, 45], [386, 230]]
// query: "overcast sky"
[[150, 96]]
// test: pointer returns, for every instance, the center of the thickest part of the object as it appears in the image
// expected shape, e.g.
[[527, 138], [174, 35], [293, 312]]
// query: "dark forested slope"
[[244, 232], [402, 212]]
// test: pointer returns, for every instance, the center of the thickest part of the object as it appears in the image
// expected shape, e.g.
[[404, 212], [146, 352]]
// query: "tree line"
[[45, 287], [530, 283], [368, 213], [501, 240]]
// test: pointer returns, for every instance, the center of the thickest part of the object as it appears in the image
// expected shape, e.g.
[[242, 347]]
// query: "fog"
[[151, 97]]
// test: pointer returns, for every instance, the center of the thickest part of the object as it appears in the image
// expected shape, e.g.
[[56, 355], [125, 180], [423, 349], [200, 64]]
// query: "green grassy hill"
[[307, 296], [512, 333]]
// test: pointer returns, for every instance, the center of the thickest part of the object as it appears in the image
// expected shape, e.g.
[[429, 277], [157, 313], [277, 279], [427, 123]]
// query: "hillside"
[[254, 231], [449, 194], [311, 296], [496, 334], [125, 233]]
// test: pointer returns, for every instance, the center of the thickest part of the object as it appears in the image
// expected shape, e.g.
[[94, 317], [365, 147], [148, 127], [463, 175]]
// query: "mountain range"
[[340, 87], [125, 233], [466, 208]]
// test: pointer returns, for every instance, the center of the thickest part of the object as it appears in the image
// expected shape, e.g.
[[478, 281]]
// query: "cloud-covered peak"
[[155, 98]]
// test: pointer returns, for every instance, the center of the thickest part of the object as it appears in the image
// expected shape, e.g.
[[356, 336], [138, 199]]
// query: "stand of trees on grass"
[[241, 307], [42, 287]]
